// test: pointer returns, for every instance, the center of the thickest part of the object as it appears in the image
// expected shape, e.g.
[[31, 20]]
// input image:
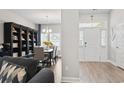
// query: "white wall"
[[116, 19], [70, 41], [7, 16]]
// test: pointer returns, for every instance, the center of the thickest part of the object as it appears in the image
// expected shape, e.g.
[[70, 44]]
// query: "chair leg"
[[55, 59]]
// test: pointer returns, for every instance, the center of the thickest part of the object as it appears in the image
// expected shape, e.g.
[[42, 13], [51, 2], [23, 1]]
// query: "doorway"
[[92, 44]]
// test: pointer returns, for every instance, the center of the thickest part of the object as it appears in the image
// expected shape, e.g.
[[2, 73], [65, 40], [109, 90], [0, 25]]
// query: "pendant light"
[[47, 30]]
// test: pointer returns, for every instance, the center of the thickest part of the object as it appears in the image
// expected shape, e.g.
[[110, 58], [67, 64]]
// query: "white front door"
[[91, 44], [92, 49]]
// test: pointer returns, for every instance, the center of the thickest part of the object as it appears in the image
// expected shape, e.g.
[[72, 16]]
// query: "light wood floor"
[[57, 69], [100, 72]]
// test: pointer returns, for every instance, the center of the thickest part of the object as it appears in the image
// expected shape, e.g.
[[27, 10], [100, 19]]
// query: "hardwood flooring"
[[93, 72], [57, 69], [100, 72]]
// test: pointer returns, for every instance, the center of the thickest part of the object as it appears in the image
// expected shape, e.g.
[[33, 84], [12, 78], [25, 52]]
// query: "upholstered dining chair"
[[54, 55], [39, 55]]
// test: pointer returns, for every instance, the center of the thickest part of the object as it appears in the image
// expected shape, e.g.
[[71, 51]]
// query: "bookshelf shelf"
[[20, 38]]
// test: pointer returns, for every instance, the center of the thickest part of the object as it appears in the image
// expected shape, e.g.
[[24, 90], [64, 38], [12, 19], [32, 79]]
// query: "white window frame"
[[103, 38], [81, 38]]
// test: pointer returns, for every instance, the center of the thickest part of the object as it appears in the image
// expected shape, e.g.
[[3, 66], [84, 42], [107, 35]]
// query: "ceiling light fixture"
[[92, 17], [47, 30]]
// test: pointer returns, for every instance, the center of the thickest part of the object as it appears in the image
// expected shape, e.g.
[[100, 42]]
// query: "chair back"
[[39, 53], [54, 51]]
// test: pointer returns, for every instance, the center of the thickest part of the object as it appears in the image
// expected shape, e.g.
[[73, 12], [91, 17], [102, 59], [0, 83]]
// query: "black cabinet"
[[21, 39]]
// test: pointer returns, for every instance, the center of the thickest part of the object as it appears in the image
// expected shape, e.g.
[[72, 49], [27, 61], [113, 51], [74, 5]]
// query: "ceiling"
[[38, 16], [94, 11]]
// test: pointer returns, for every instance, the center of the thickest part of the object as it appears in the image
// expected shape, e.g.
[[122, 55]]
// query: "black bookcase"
[[20, 39]]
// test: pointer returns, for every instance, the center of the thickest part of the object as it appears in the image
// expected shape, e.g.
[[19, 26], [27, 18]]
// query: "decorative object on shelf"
[[1, 45], [15, 45], [23, 53], [24, 45], [15, 54], [14, 37], [23, 38], [1, 50], [23, 32], [13, 29]]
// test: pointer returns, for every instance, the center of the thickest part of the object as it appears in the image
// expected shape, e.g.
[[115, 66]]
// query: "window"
[[103, 38], [81, 38], [55, 38], [90, 25], [44, 37]]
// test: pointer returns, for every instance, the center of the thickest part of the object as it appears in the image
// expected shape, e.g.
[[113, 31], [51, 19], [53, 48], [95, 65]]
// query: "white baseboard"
[[94, 61], [112, 62], [70, 80], [116, 64]]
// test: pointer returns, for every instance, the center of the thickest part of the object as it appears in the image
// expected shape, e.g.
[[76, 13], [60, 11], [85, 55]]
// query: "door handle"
[[117, 47], [85, 44]]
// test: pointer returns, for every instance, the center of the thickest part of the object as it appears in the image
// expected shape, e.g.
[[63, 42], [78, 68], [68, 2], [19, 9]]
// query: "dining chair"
[[54, 55], [39, 55]]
